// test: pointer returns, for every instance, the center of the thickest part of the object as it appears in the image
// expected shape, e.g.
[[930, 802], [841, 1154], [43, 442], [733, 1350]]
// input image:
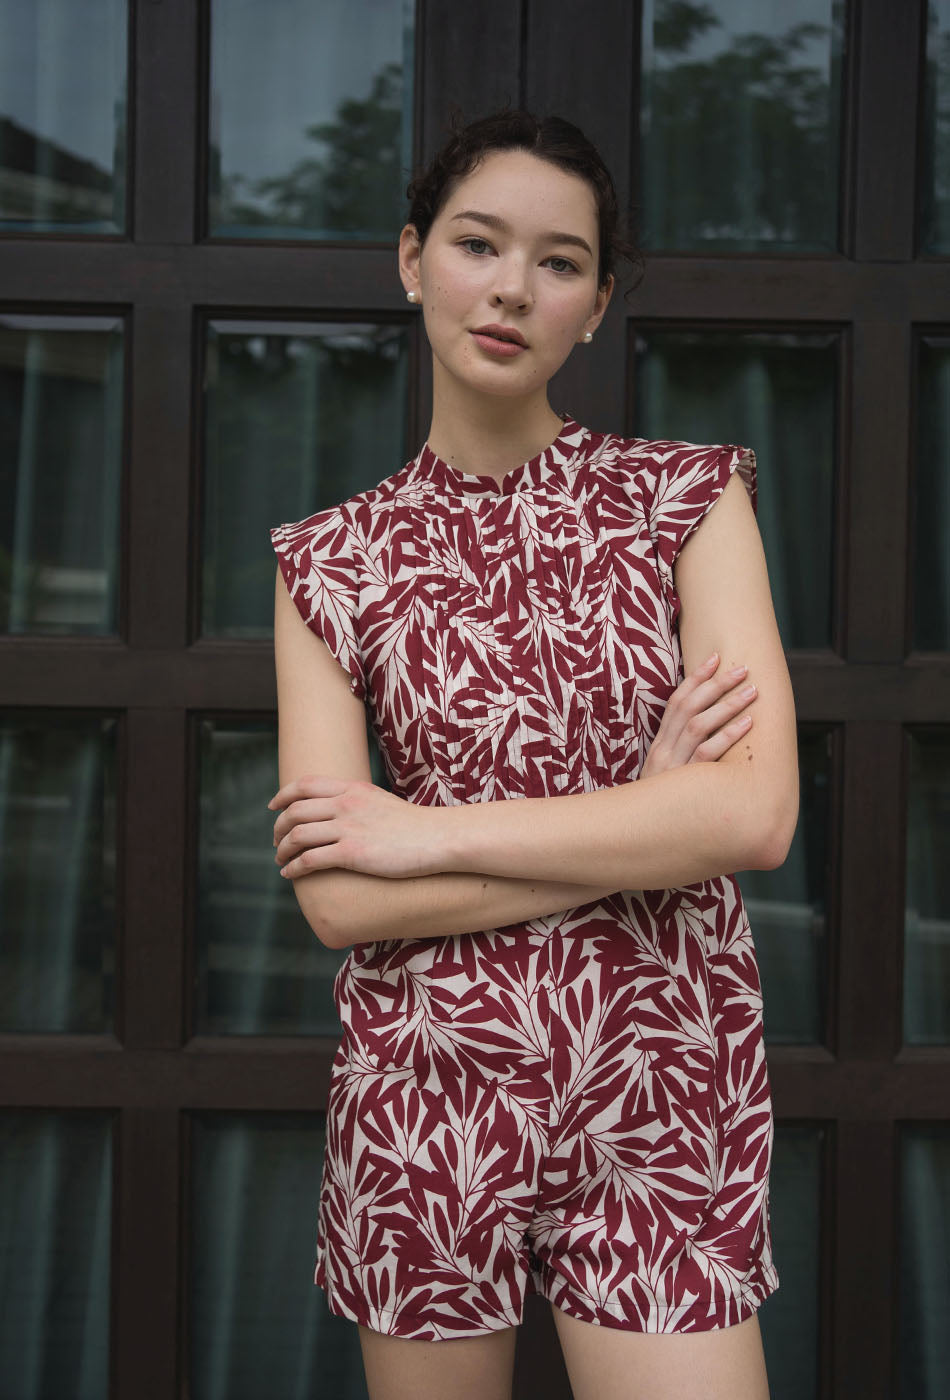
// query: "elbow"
[[329, 934], [325, 914], [774, 835]]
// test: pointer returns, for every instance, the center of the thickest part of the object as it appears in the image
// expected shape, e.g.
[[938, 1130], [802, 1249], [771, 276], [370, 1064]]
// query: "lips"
[[503, 333]]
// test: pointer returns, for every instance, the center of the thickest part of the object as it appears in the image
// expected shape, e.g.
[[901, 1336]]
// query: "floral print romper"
[[577, 1104]]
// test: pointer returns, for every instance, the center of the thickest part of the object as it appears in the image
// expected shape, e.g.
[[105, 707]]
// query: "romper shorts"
[[576, 1106]]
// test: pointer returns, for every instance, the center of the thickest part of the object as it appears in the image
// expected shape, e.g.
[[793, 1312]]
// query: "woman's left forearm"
[[675, 828]]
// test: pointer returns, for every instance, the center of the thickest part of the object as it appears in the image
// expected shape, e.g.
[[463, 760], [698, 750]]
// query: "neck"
[[485, 433]]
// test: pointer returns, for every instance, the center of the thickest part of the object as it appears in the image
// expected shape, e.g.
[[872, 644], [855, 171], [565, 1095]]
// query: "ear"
[[601, 302], [410, 251]]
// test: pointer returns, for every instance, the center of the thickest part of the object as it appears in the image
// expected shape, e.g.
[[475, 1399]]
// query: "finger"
[[310, 785], [713, 718], [314, 809], [304, 836], [686, 736], [699, 694], [314, 858], [695, 693], [722, 741]]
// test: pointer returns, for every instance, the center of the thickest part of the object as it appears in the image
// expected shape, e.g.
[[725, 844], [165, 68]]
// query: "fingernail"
[[738, 670], [710, 659]]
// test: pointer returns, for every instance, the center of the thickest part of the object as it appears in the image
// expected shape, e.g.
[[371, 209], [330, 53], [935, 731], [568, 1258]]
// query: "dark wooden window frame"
[[166, 281]]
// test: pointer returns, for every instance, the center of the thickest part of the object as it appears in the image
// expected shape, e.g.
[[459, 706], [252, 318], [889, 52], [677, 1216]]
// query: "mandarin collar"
[[548, 468]]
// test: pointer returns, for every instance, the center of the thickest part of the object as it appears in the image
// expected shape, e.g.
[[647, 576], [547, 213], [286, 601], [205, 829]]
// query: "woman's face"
[[514, 246]]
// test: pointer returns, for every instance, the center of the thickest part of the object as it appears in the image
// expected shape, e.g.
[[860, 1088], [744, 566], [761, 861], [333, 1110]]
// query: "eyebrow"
[[493, 221]]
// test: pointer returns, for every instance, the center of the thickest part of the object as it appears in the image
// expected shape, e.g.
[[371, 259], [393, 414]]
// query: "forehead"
[[525, 189]]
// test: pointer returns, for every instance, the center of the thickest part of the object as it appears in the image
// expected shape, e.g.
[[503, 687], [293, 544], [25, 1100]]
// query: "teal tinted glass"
[[55, 1248], [63, 115], [259, 1324], [61, 385], [789, 1319], [776, 393], [935, 132], [740, 125], [298, 416], [260, 968], [57, 871], [311, 118], [788, 907], [924, 1338], [927, 891], [931, 554]]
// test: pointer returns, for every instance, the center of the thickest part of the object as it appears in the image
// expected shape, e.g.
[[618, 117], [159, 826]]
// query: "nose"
[[512, 285]]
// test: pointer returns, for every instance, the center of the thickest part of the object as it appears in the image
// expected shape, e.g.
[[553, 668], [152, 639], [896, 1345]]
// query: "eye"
[[567, 265], [464, 243]]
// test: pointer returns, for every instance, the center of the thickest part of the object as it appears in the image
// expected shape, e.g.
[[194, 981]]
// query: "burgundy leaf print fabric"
[[577, 1104]]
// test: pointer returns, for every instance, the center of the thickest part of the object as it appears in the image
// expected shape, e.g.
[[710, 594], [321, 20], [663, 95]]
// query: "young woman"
[[552, 1073]]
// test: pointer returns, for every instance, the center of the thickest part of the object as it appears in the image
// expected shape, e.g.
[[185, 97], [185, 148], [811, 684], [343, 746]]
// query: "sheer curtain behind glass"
[[260, 1327], [61, 392], [924, 1350], [57, 871], [55, 1248], [930, 560]]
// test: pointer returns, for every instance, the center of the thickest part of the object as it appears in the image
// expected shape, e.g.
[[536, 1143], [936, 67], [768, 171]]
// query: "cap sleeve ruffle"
[[689, 479], [318, 567]]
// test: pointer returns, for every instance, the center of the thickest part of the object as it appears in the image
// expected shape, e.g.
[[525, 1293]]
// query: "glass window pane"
[[311, 118], [935, 133], [788, 907], [927, 896], [774, 392], [259, 1324], [789, 1319], [57, 871], [931, 553], [63, 87], [260, 968], [55, 1248], [61, 389], [924, 1339], [740, 125], [297, 417]]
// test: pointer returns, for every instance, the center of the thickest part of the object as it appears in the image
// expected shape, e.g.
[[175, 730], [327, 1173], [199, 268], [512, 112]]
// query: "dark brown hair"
[[551, 138]]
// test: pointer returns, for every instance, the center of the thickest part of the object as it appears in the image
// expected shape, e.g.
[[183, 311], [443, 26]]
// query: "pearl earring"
[[588, 337], [410, 296]]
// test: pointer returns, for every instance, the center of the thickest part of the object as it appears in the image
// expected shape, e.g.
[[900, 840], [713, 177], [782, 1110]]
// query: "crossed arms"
[[366, 869]]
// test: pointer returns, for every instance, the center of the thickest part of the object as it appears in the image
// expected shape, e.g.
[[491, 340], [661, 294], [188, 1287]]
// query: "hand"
[[353, 825], [701, 722]]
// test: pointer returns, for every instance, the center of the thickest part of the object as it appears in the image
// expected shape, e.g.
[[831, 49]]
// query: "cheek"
[[568, 321], [457, 290]]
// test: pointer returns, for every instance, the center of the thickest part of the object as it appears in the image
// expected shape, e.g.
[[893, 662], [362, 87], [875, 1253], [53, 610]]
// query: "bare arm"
[[345, 907], [670, 828]]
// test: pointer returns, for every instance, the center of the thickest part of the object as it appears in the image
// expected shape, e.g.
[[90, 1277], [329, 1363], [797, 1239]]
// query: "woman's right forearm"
[[344, 907]]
